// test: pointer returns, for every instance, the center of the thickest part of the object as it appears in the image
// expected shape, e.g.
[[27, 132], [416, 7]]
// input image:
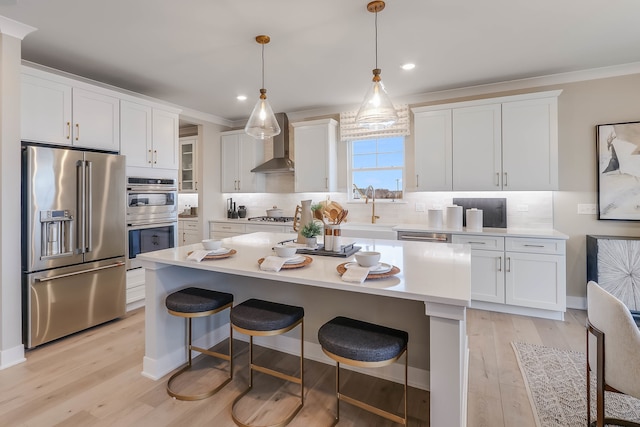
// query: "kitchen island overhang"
[[436, 275]]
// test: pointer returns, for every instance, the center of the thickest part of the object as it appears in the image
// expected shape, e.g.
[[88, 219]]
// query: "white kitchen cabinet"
[[136, 139], [433, 150], [188, 175], [188, 232], [477, 153], [517, 272], [530, 144], [135, 291], [240, 154], [316, 158], [54, 111], [507, 143], [165, 139], [149, 136]]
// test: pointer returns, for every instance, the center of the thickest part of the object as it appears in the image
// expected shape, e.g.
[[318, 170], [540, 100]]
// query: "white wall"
[[11, 348]]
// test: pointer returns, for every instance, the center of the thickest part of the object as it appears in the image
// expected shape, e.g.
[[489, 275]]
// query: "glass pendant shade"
[[262, 122], [376, 111]]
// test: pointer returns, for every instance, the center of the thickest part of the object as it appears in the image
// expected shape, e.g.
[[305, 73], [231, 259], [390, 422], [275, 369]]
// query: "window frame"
[[350, 170]]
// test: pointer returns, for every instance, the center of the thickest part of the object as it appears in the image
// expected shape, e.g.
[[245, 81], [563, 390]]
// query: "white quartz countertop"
[[246, 221], [433, 272], [504, 232]]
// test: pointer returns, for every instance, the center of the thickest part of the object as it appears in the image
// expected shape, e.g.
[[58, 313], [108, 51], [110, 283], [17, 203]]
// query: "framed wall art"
[[618, 154]]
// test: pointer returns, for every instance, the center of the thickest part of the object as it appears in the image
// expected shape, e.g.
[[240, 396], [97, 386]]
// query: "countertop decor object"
[[341, 268], [474, 219], [220, 256], [307, 260]]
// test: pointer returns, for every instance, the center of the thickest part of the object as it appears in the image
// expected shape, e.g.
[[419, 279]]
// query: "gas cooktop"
[[271, 219]]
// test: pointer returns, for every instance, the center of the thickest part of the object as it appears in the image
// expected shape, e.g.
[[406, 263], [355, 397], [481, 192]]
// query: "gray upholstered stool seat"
[[260, 315], [358, 343], [362, 341], [256, 317], [197, 302]]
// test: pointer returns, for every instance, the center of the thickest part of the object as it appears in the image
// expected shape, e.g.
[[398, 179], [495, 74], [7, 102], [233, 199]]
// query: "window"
[[377, 163]]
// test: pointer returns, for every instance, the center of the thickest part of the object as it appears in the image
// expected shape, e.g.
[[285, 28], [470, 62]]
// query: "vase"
[[306, 216], [311, 242]]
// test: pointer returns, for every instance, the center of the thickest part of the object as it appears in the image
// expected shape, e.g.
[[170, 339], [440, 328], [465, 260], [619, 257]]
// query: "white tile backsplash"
[[539, 204]]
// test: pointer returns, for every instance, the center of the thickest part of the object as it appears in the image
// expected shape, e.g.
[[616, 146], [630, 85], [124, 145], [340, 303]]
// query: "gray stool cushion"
[[197, 300], [361, 341], [260, 315]]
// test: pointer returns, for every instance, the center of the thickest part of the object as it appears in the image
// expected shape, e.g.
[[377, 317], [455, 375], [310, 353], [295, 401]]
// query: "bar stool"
[[256, 317], [357, 343], [197, 302]]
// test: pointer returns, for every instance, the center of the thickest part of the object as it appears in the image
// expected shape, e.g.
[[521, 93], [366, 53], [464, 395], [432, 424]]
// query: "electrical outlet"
[[523, 208], [587, 209], [420, 207]]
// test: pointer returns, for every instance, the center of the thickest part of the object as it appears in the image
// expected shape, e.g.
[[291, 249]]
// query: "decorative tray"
[[227, 255], [394, 270], [347, 251], [307, 261]]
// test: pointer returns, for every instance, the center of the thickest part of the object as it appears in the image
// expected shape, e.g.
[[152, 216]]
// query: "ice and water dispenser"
[[56, 233]]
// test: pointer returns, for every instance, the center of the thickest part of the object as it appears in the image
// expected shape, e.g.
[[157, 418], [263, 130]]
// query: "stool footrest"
[[211, 353], [388, 415], [277, 374]]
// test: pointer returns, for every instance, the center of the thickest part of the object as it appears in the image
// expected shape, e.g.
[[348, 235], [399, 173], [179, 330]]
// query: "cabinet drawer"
[[228, 227], [539, 246], [190, 226], [489, 243]]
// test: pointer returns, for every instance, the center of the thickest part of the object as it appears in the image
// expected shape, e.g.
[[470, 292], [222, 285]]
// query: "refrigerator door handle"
[[81, 188], [89, 204], [75, 273]]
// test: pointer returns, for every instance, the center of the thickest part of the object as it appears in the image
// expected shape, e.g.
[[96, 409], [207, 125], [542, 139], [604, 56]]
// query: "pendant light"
[[262, 122], [377, 111]]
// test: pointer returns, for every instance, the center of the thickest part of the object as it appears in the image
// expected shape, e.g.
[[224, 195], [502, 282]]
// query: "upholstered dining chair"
[[613, 347]]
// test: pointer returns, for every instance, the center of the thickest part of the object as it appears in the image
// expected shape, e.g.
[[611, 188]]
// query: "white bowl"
[[285, 251], [368, 258], [211, 244]]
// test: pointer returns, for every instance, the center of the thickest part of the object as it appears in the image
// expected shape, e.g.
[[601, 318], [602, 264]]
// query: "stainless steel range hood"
[[281, 161]]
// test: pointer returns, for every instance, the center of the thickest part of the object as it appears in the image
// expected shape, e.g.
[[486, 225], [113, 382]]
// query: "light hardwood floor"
[[93, 379]]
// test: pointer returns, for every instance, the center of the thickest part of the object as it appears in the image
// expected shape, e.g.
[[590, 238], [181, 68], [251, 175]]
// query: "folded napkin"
[[273, 263], [198, 255], [355, 274]]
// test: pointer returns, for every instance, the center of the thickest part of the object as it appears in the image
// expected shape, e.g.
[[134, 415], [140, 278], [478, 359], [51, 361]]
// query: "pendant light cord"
[[376, 26], [263, 65]]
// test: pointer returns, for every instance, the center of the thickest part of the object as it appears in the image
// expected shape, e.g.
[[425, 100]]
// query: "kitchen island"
[[428, 299]]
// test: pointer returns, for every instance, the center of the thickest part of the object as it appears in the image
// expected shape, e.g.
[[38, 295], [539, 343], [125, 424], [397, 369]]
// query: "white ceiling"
[[201, 54]]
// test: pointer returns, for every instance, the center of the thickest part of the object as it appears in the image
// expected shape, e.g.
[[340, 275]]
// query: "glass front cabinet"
[[188, 182]]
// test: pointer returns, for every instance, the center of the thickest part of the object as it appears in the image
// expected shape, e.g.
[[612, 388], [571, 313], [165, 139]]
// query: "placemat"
[[307, 260], [227, 255], [394, 270]]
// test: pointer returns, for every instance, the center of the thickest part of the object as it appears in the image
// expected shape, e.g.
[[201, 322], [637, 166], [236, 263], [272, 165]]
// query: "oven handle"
[[150, 188], [143, 225]]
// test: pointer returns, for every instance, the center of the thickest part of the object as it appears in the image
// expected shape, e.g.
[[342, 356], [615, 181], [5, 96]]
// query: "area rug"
[[556, 385]]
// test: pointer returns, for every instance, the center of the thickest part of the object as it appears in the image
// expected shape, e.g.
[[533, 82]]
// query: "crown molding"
[[15, 29]]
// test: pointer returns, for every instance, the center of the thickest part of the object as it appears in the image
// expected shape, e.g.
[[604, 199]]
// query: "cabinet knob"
[[68, 130], [155, 157], [499, 263], [505, 179], [149, 156], [508, 264], [497, 179], [77, 131]]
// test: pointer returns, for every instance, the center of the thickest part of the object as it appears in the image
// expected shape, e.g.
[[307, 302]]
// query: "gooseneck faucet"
[[365, 194]]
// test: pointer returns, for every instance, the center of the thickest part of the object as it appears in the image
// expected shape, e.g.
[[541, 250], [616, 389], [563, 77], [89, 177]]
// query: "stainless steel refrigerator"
[[73, 241]]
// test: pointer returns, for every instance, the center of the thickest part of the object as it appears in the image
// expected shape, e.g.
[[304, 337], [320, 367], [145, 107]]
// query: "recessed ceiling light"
[[241, 98], [408, 66]]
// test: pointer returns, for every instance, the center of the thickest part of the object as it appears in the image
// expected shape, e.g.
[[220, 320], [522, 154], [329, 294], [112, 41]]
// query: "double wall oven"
[[152, 216]]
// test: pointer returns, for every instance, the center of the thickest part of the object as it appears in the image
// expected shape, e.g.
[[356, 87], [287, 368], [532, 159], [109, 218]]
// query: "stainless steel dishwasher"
[[424, 236]]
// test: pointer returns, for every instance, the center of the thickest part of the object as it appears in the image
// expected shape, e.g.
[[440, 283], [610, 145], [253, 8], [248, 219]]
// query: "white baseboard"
[[524, 311], [156, 369], [12, 356], [579, 303]]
